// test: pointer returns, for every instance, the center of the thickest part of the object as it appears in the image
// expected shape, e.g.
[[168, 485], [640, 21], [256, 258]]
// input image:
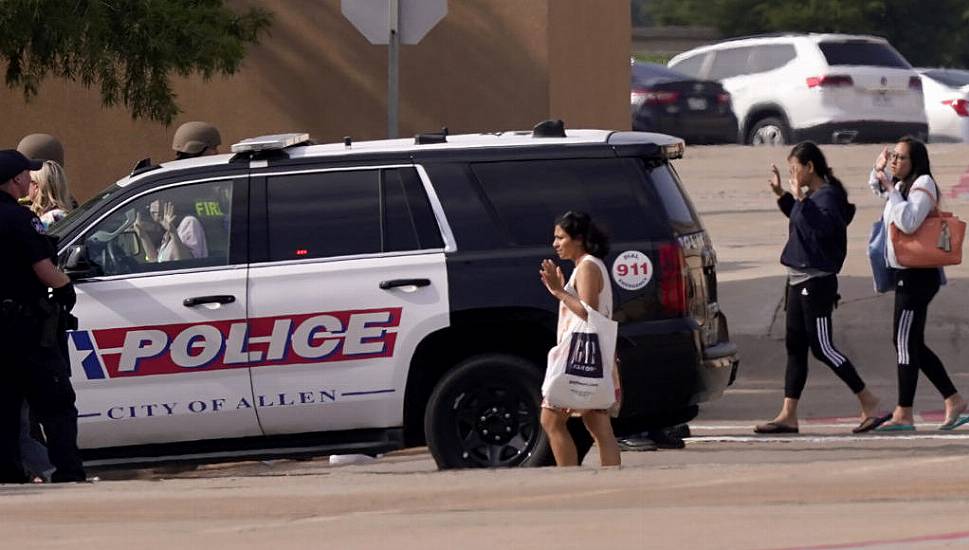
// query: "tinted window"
[[728, 63], [529, 195], [330, 214], [174, 228], [770, 57], [954, 78], [675, 202], [409, 222], [872, 54], [691, 65]]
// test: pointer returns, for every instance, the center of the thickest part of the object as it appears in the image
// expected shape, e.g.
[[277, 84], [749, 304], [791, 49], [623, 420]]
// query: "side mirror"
[[77, 265]]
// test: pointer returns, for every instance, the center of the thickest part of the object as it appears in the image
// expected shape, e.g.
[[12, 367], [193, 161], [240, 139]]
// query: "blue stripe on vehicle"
[[87, 415], [91, 364], [371, 392]]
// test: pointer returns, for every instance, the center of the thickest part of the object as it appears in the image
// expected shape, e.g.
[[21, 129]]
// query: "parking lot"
[[727, 489]]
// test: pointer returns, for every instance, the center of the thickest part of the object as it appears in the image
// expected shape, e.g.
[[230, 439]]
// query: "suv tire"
[[769, 131], [484, 414]]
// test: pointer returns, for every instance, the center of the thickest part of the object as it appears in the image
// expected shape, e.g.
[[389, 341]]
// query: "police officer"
[[196, 139], [32, 364]]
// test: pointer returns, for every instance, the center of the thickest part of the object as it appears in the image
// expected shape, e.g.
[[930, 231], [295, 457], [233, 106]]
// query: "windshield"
[[949, 77], [862, 52], [78, 215]]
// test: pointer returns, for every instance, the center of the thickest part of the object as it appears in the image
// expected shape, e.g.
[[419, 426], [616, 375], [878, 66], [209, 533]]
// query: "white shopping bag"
[[580, 368]]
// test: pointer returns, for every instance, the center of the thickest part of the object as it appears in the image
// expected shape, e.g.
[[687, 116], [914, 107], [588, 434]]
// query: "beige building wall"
[[490, 65]]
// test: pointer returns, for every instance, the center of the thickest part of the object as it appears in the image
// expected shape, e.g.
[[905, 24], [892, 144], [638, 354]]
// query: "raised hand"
[[775, 180], [140, 224], [168, 216], [552, 277], [881, 161]]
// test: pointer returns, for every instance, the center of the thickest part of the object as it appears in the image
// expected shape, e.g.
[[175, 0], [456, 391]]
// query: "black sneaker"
[[681, 431], [665, 440], [637, 443]]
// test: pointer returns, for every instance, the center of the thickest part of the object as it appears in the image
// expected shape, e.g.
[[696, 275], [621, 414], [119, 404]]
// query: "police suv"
[[375, 295]]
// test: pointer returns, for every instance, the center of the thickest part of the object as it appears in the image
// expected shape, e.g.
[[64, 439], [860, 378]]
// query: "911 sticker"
[[262, 342], [632, 270]]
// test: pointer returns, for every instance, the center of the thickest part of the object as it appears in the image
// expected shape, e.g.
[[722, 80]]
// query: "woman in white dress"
[[577, 239]]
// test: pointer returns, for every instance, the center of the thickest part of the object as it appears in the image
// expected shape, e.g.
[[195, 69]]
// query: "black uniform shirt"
[[23, 242]]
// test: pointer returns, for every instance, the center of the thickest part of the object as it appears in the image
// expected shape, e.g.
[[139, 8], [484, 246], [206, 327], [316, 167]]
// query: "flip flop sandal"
[[870, 423], [774, 428], [889, 427], [953, 424]]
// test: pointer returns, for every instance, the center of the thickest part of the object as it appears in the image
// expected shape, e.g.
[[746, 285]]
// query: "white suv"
[[829, 88]]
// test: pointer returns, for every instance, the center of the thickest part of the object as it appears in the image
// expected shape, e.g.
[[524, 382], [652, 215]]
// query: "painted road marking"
[[821, 438]]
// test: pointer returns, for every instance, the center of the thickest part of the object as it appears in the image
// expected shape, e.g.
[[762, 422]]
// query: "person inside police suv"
[[166, 235], [34, 367], [196, 139]]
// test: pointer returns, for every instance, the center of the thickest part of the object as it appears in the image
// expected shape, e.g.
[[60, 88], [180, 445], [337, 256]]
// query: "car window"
[[859, 52], [345, 213], [527, 197], [173, 228], [953, 78], [690, 66], [677, 205], [730, 62], [770, 57], [408, 221]]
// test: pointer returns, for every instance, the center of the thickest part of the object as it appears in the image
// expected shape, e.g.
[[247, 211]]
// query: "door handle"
[[393, 283], [217, 299]]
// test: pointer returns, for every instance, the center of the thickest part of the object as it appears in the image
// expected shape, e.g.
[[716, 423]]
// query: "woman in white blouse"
[[911, 195]]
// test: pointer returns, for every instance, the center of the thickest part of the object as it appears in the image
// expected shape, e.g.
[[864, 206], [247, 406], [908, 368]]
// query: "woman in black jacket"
[[819, 212]]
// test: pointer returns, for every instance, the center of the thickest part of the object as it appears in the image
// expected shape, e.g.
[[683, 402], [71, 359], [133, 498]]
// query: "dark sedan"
[[668, 102]]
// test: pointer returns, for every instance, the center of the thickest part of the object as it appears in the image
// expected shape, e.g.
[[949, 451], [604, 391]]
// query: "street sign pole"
[[393, 22], [393, 51]]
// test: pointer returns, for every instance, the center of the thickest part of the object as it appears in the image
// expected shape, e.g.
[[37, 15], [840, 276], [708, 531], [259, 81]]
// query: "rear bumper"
[[665, 371], [860, 131], [720, 365]]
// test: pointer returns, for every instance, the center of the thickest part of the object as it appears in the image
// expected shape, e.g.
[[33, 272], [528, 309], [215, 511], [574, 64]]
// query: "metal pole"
[[392, 68]]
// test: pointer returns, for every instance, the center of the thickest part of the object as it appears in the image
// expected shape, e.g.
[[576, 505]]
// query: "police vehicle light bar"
[[272, 142]]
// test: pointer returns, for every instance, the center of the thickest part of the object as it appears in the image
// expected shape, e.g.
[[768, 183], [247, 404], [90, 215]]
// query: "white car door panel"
[[148, 369], [353, 279], [349, 347]]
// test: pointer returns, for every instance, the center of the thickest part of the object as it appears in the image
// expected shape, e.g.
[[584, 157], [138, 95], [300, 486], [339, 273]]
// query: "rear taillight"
[[829, 81], [915, 83], [672, 280], [960, 106], [723, 98], [645, 96]]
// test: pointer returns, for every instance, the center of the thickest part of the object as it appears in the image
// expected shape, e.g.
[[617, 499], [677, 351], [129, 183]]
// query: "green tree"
[[927, 32], [129, 49]]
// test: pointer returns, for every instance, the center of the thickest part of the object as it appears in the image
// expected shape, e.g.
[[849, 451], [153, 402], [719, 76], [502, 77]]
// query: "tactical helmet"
[[42, 147], [194, 137]]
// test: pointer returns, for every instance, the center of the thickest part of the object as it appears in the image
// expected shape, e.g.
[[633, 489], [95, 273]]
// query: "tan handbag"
[[936, 243]]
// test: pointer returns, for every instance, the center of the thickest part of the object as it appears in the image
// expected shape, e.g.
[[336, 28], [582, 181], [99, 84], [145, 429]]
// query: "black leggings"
[[914, 289], [809, 307]]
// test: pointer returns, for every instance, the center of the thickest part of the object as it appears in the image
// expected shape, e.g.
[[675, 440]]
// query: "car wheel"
[[484, 414], [769, 131]]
